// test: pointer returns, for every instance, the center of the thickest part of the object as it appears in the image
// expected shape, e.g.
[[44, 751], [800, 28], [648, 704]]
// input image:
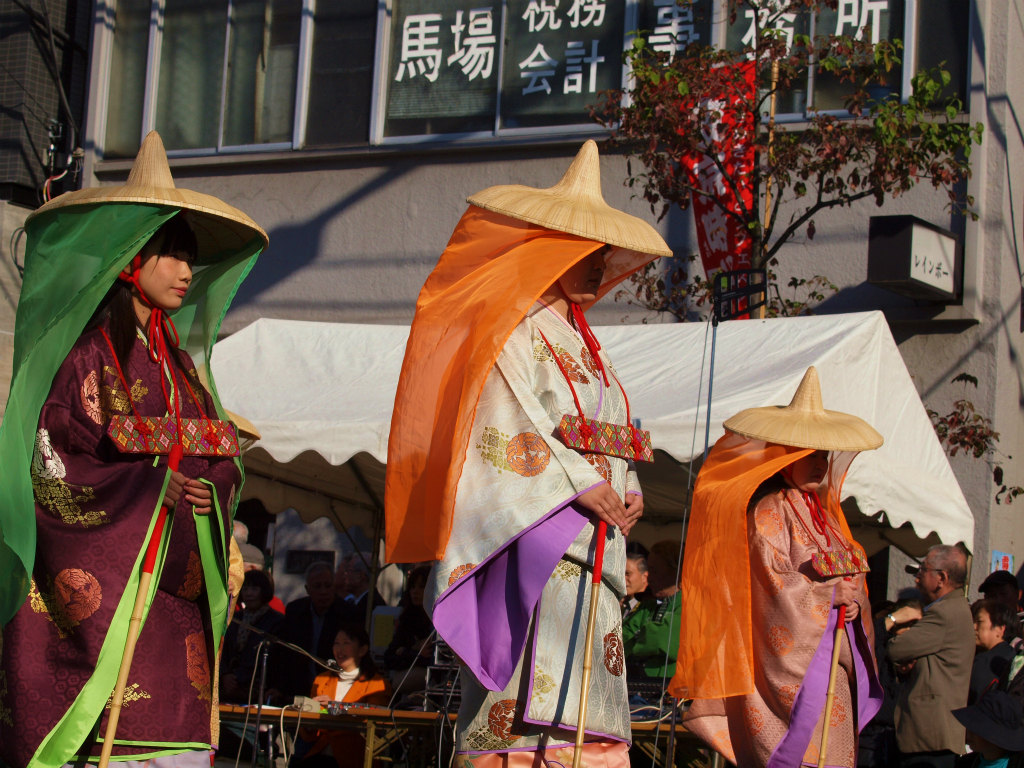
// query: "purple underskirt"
[[810, 699], [485, 616]]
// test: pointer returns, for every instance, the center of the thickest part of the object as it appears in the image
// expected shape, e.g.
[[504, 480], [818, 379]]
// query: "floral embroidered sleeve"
[[76, 475]]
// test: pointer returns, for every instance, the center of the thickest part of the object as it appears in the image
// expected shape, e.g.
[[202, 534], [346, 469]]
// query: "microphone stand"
[[268, 640]]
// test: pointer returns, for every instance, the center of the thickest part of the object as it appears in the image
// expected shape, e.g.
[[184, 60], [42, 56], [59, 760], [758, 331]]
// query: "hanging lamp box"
[[915, 258]]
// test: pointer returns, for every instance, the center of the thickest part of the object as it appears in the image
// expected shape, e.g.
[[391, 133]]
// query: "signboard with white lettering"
[[484, 66], [915, 258]]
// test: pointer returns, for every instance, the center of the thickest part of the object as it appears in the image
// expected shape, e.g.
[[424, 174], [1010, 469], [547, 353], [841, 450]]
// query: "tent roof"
[[326, 391]]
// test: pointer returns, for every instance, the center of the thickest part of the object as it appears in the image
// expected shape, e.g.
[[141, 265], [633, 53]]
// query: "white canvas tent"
[[321, 396]]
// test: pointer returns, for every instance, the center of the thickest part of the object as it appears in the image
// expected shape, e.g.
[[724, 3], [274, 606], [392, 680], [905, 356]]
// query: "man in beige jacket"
[[941, 647]]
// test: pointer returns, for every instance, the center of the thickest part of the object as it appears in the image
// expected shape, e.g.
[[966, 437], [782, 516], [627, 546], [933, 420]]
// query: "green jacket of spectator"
[[650, 638]]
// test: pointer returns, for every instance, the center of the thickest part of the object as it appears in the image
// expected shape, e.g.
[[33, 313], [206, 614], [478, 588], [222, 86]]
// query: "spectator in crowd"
[[410, 653], [941, 645], [650, 634], [355, 682], [995, 732], [636, 582], [245, 633], [1003, 587], [878, 739], [311, 623], [356, 569], [994, 624]]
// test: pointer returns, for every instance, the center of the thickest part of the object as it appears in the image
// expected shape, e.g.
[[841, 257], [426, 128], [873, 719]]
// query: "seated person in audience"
[[636, 581], [311, 623], [356, 569], [994, 625], [253, 617], [650, 634], [411, 651], [356, 681]]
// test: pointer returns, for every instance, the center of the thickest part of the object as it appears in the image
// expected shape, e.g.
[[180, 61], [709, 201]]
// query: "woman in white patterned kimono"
[[511, 588]]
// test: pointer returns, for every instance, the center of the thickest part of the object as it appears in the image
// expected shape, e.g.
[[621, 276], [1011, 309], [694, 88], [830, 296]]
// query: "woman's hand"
[[846, 594], [605, 503], [174, 488], [199, 496], [634, 511]]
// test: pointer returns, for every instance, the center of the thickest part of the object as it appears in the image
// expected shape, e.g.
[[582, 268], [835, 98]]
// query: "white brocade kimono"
[[512, 594]]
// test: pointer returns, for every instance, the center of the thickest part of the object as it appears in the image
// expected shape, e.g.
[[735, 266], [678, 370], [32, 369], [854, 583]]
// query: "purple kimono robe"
[[94, 507]]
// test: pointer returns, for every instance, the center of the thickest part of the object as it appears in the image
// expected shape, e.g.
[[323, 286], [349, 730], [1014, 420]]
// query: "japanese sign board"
[[860, 19], [461, 66]]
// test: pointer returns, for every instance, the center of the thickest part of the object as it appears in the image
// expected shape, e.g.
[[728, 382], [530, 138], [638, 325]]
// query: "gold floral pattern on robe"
[[69, 599], [114, 399], [197, 665], [132, 693], [192, 586], [53, 493]]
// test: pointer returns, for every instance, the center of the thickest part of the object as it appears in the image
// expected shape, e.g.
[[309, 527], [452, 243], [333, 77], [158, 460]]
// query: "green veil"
[[73, 256]]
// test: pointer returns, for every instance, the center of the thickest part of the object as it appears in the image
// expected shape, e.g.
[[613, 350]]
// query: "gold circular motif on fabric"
[[768, 522], [527, 454], [91, 397], [754, 719], [78, 593], [838, 713], [601, 464], [614, 654], [500, 719], [787, 694], [459, 571], [780, 640]]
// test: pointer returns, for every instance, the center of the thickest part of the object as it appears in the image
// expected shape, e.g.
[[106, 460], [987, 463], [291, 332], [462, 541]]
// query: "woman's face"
[[416, 590], [165, 278], [347, 652], [252, 596], [582, 280], [808, 473], [987, 636]]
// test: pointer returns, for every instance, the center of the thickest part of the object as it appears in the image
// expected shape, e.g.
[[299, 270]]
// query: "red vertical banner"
[[727, 135]]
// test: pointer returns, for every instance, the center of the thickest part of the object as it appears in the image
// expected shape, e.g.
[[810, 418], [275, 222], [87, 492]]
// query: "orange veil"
[[494, 269]]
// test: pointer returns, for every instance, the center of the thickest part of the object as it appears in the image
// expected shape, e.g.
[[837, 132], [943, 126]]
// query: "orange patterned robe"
[[780, 722]]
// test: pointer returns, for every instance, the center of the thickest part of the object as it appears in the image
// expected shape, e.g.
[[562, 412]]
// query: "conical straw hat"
[[805, 423], [574, 205], [219, 227]]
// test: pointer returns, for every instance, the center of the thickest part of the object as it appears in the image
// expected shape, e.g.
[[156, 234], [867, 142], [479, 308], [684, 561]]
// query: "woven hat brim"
[[219, 227], [826, 431], [589, 218]]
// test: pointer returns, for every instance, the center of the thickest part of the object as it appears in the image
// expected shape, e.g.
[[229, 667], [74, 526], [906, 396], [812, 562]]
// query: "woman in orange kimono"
[[759, 622], [355, 682]]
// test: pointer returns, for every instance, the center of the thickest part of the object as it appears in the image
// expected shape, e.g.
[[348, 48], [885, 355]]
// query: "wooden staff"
[[135, 624], [830, 696], [588, 650]]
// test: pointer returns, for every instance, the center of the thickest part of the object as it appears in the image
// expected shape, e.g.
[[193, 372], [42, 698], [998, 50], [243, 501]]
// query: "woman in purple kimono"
[[99, 474]]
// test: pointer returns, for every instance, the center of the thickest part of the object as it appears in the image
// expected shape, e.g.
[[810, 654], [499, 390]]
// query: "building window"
[[238, 75], [224, 74]]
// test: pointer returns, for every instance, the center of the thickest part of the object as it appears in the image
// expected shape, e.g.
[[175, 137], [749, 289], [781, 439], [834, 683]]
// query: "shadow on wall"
[[297, 245]]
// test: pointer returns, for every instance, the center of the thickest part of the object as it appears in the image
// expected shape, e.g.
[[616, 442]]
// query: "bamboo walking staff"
[[830, 696], [588, 649], [135, 624]]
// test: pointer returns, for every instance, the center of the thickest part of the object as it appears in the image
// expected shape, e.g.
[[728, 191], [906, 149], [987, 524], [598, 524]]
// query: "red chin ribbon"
[[161, 334]]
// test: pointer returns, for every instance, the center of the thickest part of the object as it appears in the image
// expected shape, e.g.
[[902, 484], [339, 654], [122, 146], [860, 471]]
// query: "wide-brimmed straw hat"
[[805, 423], [219, 227], [574, 205], [998, 718]]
